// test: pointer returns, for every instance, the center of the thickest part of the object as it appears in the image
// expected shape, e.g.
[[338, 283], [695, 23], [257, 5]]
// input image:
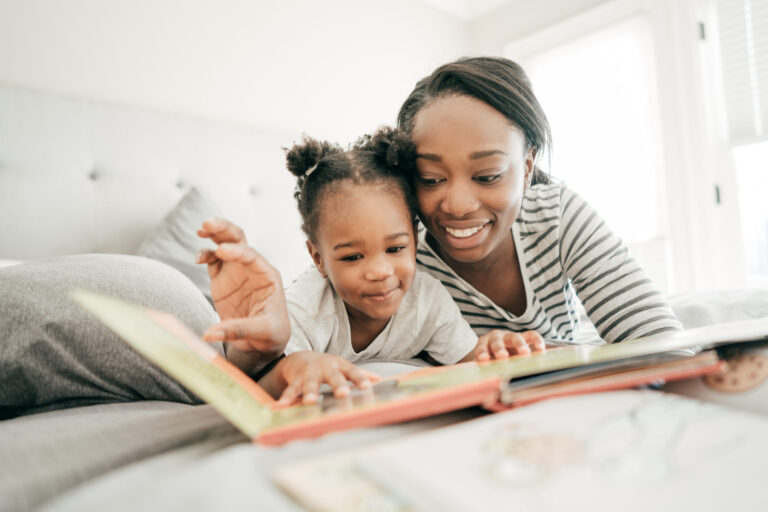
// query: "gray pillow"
[[174, 241], [53, 354]]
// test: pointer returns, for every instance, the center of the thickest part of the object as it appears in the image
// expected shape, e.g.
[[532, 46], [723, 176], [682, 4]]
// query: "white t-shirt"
[[427, 320]]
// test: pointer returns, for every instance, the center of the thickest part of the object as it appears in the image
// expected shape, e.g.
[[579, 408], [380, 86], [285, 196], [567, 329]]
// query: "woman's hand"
[[248, 295], [300, 375], [499, 344]]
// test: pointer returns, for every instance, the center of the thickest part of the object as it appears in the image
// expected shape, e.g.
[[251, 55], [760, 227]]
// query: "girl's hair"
[[384, 158], [497, 81]]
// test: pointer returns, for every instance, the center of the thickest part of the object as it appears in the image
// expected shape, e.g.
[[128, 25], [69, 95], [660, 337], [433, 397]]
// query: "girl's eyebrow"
[[472, 156], [355, 243]]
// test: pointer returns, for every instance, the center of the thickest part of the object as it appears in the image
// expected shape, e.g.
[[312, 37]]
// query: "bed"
[[108, 197]]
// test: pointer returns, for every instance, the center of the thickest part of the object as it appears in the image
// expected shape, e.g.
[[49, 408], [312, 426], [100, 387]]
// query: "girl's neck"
[[363, 329]]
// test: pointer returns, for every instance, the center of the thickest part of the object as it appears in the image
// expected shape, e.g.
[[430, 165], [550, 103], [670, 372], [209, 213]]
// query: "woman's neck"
[[498, 276]]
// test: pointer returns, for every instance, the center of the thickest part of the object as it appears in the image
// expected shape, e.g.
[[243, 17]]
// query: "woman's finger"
[[534, 340], [516, 343], [481, 349], [498, 344]]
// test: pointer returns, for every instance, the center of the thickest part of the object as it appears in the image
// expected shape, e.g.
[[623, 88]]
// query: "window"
[[741, 31], [599, 92]]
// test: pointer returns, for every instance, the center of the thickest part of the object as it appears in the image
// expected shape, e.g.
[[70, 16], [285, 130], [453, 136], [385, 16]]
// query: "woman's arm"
[[619, 298]]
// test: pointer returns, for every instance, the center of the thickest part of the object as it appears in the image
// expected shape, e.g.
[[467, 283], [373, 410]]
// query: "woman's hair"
[[497, 81], [384, 158]]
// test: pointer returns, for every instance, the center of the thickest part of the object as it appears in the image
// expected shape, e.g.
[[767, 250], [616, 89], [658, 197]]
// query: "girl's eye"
[[428, 181], [352, 257], [395, 249], [489, 178]]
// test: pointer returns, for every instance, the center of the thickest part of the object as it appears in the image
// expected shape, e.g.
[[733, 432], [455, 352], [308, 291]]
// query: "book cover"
[[162, 339]]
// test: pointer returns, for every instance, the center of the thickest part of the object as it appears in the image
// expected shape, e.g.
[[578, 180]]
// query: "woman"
[[514, 248]]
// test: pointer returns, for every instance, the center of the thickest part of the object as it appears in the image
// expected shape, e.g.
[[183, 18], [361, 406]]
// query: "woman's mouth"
[[462, 238]]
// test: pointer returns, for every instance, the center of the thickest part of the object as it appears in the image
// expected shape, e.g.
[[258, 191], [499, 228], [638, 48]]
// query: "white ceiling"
[[466, 9]]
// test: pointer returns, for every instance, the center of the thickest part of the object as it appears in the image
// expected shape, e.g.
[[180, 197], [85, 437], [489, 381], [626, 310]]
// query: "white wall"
[[517, 18], [331, 68]]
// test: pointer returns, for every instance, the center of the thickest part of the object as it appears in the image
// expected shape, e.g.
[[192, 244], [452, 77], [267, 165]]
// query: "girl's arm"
[[300, 374], [248, 296]]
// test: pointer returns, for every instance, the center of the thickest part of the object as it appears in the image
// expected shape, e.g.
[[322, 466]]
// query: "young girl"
[[365, 299]]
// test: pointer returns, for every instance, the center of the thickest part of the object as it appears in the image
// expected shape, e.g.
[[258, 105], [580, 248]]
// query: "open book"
[[169, 344]]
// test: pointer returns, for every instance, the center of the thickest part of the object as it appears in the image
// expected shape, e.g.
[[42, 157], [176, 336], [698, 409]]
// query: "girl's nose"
[[459, 201], [378, 268]]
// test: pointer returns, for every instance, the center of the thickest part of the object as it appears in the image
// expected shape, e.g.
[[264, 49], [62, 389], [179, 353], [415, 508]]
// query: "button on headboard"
[[79, 176]]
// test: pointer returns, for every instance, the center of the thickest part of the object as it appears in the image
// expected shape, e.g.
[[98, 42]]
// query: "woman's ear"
[[530, 167], [316, 258]]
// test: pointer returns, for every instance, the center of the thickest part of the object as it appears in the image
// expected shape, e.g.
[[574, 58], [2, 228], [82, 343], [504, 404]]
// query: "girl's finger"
[[257, 331], [363, 379], [291, 393], [222, 231], [309, 389], [243, 254], [338, 382], [206, 256]]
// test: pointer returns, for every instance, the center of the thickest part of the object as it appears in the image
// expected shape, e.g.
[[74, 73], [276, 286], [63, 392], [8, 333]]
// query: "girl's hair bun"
[[390, 146], [301, 158]]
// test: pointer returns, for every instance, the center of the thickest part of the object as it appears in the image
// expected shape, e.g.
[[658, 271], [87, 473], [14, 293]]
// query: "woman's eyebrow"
[[472, 156], [483, 154]]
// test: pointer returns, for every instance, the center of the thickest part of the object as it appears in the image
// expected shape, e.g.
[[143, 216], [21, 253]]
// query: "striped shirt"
[[564, 249]]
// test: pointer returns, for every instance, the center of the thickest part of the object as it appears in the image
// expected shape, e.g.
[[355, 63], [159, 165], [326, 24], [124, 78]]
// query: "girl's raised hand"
[[303, 372], [248, 295], [499, 344]]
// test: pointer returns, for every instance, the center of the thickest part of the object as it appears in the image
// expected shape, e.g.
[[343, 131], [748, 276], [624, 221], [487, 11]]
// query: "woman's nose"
[[459, 201]]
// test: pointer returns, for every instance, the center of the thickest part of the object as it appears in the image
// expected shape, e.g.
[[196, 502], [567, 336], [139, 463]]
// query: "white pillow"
[[175, 242]]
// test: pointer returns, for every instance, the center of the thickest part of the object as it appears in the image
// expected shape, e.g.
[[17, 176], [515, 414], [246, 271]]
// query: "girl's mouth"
[[382, 297]]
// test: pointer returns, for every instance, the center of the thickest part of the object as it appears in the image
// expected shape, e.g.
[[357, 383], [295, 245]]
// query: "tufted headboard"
[[79, 176]]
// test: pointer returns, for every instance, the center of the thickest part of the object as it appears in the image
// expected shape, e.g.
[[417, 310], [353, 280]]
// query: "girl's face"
[[473, 167], [366, 247]]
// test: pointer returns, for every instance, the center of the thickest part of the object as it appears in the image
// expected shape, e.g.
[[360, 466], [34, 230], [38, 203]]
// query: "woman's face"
[[473, 167]]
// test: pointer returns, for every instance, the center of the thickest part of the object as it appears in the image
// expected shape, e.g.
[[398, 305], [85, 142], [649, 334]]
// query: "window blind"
[[743, 34]]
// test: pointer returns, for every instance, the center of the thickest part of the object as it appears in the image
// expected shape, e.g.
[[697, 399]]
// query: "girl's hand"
[[303, 372], [248, 295], [499, 344]]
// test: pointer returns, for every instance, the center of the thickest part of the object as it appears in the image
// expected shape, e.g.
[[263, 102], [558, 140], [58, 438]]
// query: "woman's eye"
[[428, 180], [395, 249], [489, 178], [352, 257]]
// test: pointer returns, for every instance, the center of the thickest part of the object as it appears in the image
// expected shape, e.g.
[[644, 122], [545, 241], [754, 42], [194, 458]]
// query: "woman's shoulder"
[[541, 207]]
